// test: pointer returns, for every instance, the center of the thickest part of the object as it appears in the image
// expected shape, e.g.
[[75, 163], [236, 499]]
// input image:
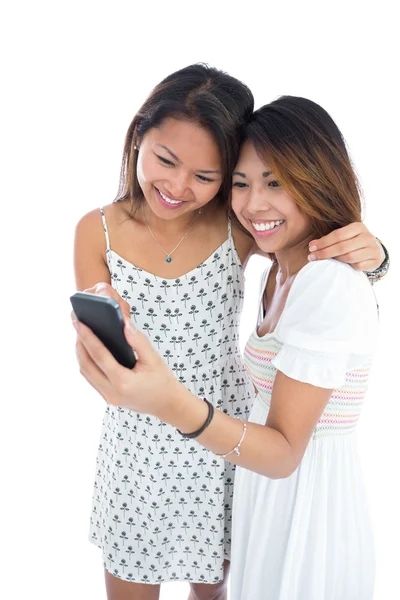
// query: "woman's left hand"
[[352, 244], [149, 387]]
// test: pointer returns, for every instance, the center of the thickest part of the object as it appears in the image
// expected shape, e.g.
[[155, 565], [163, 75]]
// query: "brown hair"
[[308, 155], [200, 94]]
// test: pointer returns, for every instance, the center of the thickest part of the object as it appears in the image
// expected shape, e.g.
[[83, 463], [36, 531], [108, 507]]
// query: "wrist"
[[382, 269], [182, 409]]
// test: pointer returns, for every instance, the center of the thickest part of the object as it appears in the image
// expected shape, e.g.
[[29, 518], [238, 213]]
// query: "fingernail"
[[76, 325], [312, 247], [311, 257]]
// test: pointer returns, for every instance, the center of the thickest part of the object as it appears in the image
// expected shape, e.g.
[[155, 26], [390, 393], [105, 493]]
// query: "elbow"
[[282, 469], [284, 460], [281, 473]]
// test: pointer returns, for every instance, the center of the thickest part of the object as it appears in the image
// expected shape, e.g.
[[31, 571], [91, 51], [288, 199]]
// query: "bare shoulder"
[[118, 213], [90, 264], [91, 227], [90, 218]]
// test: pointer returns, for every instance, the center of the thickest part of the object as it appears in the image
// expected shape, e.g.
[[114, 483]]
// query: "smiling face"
[[265, 208], [179, 168]]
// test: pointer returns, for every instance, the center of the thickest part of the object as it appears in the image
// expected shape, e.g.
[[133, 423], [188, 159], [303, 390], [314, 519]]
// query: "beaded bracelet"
[[195, 434]]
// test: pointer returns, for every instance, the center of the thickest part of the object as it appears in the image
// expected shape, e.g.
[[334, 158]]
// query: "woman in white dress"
[[300, 527]]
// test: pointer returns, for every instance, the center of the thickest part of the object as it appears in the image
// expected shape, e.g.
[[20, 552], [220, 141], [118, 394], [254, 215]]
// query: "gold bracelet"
[[236, 449]]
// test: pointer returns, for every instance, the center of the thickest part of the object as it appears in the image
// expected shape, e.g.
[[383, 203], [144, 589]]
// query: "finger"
[[92, 384], [88, 368], [92, 374], [366, 265], [100, 355], [101, 288], [338, 235], [345, 248], [356, 256], [95, 387], [141, 345], [105, 289]]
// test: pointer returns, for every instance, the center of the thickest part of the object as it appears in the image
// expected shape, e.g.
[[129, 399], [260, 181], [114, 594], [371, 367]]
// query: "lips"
[[167, 201], [266, 225], [266, 228]]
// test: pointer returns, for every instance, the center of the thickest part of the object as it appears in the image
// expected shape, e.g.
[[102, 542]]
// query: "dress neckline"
[[159, 277], [258, 325]]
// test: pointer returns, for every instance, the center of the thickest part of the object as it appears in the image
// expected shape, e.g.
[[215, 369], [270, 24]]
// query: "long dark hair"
[[308, 155], [200, 94]]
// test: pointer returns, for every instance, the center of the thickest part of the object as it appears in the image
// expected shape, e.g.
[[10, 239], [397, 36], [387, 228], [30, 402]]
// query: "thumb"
[[140, 343]]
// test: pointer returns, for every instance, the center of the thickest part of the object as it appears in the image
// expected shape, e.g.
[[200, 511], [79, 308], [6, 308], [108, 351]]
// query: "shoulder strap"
[[229, 228], [103, 218], [264, 279]]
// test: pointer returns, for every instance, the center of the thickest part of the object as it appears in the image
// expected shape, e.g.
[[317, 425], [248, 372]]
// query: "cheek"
[[238, 203], [300, 221], [206, 192], [147, 171]]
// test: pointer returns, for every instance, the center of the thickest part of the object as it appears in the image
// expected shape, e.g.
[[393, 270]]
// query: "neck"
[[291, 260], [169, 228]]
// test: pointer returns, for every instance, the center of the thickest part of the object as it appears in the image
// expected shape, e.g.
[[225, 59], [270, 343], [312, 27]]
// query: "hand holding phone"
[[104, 317]]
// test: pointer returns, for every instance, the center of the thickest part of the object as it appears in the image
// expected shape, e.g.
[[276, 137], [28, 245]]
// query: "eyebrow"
[[265, 174], [179, 161], [170, 152]]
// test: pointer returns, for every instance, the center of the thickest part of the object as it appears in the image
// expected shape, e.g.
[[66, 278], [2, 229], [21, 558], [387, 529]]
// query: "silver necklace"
[[168, 254]]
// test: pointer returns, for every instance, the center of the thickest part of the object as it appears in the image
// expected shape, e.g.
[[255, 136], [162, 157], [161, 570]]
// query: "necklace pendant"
[[168, 259]]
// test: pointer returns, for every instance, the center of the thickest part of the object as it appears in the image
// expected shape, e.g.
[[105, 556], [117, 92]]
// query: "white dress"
[[161, 503], [308, 537]]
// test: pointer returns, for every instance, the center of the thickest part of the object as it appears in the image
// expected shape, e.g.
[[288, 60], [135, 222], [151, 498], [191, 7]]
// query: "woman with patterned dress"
[[162, 504]]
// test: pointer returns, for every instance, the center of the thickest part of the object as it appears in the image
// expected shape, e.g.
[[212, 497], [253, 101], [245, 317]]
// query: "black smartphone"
[[104, 317]]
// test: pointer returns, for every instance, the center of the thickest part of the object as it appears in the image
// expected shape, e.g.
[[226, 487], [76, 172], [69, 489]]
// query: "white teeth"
[[164, 197], [267, 225]]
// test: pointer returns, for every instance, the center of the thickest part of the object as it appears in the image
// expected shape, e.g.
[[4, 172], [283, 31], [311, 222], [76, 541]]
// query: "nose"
[[178, 185], [257, 201]]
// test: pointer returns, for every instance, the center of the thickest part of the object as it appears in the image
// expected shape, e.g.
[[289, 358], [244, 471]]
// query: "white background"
[[73, 75]]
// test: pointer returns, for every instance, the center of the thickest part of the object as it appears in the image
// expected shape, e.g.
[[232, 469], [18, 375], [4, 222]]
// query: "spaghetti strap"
[[103, 218], [235, 254]]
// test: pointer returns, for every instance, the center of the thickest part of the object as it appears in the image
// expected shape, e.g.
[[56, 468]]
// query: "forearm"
[[264, 449]]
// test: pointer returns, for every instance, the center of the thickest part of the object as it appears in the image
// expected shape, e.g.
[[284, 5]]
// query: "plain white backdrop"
[[73, 75]]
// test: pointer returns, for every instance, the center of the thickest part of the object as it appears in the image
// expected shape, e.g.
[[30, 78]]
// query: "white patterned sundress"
[[162, 504]]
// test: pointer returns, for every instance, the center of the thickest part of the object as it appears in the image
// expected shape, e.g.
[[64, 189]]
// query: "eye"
[[274, 184], [165, 161], [239, 184], [205, 179]]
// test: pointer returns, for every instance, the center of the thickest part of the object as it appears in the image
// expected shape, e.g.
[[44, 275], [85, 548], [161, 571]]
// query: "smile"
[[261, 226], [168, 200]]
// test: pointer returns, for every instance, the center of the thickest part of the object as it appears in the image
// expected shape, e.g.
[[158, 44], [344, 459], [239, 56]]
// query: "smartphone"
[[104, 317]]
